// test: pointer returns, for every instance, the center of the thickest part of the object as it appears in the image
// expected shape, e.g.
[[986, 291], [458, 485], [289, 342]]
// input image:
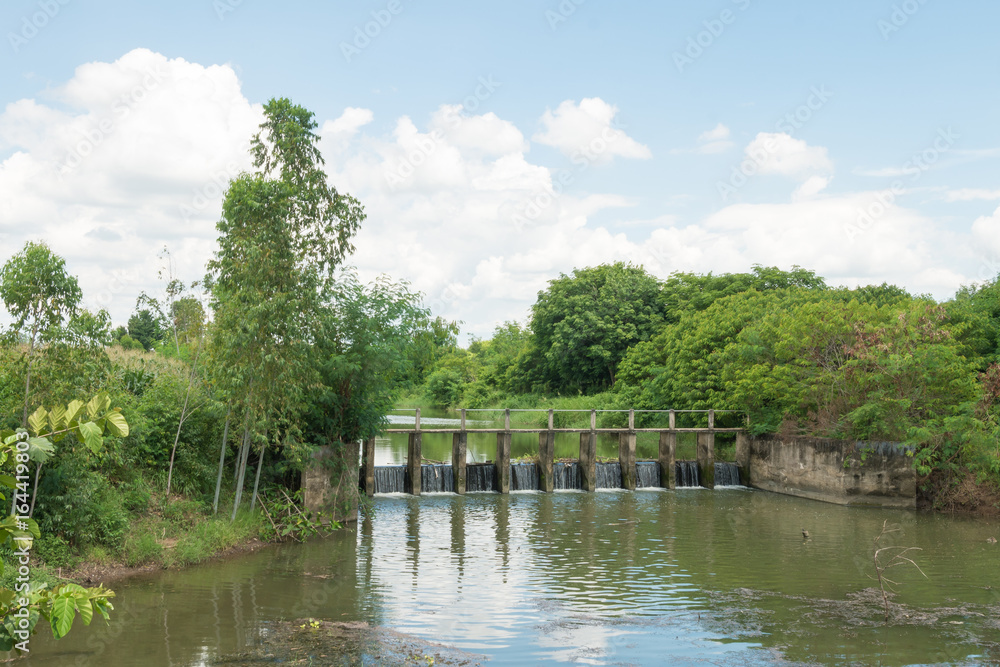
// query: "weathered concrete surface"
[[815, 468], [459, 447], [330, 484], [668, 451]]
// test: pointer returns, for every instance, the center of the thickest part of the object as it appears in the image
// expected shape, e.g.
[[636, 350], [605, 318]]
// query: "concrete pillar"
[[546, 458], [668, 453], [503, 456], [414, 457], [706, 459], [626, 453], [743, 456], [588, 455], [368, 467], [459, 445]]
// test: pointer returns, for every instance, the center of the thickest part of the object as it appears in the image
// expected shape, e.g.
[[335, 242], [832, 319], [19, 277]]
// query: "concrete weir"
[[586, 473], [834, 471]]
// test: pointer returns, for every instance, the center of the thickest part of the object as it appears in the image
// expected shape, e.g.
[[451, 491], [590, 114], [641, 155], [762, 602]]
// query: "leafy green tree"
[[40, 296], [145, 327], [583, 323], [187, 316], [975, 310], [689, 291], [434, 339], [283, 232], [362, 338]]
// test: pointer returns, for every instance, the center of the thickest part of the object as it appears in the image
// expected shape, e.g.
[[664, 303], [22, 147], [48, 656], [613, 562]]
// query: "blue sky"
[[857, 139]]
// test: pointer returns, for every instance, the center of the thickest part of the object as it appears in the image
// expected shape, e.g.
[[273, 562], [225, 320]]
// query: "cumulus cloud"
[[446, 198], [780, 153], [715, 140], [123, 158], [588, 128], [986, 231]]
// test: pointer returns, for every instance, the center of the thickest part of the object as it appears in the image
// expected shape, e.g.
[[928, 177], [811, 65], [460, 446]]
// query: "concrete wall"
[[815, 468], [331, 483]]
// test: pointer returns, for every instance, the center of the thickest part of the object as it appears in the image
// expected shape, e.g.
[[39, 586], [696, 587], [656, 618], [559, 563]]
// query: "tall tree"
[[583, 323], [40, 296], [145, 327], [283, 232]]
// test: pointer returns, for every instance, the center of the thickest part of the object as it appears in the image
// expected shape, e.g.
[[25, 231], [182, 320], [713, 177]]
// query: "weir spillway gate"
[[545, 473]]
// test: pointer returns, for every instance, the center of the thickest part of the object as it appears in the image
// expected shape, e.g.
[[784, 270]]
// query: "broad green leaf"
[[117, 425], [91, 436], [73, 411], [57, 418], [8, 481], [94, 407], [37, 420], [86, 609], [40, 450], [62, 615]]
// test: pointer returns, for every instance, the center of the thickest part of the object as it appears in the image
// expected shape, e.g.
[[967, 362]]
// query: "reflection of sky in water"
[[495, 580], [658, 578]]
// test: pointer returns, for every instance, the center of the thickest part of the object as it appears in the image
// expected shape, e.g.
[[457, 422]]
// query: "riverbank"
[[167, 536]]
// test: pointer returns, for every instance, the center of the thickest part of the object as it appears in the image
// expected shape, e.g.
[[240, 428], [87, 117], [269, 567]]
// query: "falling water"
[[437, 478], [686, 473], [726, 474], [566, 476], [523, 477], [609, 475], [390, 479], [480, 477], [647, 474]]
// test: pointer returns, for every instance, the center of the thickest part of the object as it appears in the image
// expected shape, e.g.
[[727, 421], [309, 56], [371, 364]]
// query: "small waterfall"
[[390, 479], [647, 474], [523, 477], [480, 477], [726, 474], [566, 476], [686, 473], [436, 478], [609, 475]]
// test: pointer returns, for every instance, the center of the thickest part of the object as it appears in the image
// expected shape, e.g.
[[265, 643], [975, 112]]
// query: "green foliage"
[[23, 607], [54, 551], [288, 521], [360, 351], [283, 232], [975, 312], [37, 291], [584, 323], [141, 549], [146, 328]]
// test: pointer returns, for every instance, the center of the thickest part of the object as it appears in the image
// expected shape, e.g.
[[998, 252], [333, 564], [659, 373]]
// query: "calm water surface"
[[683, 577]]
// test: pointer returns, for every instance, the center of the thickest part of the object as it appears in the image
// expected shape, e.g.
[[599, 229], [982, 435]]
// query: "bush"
[[79, 505], [141, 549], [54, 551]]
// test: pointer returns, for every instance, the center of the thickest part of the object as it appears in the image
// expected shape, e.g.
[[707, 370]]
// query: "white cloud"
[[122, 159], [445, 221], [588, 128], [780, 153], [986, 231], [714, 141], [971, 194]]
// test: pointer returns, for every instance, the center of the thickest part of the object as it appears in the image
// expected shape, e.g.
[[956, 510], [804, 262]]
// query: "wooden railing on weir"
[[546, 449]]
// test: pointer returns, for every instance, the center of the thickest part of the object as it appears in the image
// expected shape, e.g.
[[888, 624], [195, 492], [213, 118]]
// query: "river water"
[[720, 577]]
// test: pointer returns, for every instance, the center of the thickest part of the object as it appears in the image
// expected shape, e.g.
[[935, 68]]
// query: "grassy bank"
[[165, 535]]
